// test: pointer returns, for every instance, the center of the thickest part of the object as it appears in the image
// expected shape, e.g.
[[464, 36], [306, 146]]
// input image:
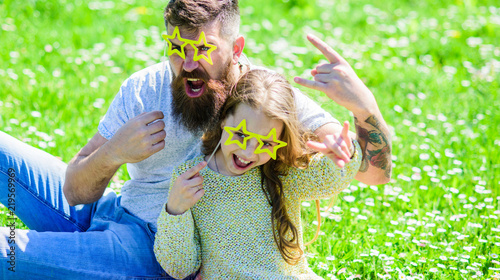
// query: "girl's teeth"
[[244, 161]]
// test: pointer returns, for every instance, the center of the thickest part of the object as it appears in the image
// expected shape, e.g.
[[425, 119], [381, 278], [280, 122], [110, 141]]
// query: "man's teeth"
[[195, 90], [242, 160], [192, 79]]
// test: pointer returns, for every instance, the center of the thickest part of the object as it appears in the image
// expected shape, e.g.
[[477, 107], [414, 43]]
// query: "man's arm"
[[375, 140], [340, 83], [90, 171]]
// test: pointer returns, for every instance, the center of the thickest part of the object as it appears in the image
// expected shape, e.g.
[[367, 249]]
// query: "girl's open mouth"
[[241, 163]]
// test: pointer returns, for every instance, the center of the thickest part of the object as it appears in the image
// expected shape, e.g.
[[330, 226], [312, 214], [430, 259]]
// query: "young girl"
[[240, 218]]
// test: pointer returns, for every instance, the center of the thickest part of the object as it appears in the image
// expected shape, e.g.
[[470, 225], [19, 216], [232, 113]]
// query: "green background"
[[434, 69]]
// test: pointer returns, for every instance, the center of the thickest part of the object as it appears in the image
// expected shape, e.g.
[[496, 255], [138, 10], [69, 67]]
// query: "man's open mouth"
[[194, 87]]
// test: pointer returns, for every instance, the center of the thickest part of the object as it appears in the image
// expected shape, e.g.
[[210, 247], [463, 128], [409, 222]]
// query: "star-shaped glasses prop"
[[202, 42], [249, 135]]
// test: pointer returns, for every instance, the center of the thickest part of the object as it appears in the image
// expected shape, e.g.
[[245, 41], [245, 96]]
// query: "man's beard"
[[199, 113]]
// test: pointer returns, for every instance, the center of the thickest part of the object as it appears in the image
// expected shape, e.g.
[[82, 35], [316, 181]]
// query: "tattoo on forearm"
[[376, 145]]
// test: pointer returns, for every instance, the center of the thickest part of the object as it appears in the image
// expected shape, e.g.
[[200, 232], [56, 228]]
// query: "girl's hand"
[[186, 191], [338, 147]]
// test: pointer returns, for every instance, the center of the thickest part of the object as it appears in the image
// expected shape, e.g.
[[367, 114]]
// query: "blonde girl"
[[240, 217]]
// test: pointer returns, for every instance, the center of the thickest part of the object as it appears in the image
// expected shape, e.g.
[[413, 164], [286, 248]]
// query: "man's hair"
[[193, 14]]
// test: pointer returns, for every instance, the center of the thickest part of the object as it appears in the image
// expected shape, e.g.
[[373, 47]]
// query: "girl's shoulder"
[[315, 160]]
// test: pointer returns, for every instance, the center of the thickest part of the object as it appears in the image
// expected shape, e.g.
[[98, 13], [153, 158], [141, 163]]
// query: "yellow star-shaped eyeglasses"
[[248, 135], [202, 40]]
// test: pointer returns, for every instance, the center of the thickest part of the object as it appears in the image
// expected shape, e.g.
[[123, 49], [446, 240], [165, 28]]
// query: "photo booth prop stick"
[[199, 46], [249, 135], [215, 150], [163, 72]]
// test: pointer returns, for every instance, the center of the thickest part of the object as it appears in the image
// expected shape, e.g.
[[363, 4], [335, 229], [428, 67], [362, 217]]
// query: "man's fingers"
[[325, 68], [158, 136], [193, 170], [157, 141], [329, 53], [156, 126], [156, 147], [308, 83], [150, 117], [323, 78]]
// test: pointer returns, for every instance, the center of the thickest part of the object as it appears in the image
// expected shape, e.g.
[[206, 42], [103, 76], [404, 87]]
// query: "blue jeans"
[[92, 241]]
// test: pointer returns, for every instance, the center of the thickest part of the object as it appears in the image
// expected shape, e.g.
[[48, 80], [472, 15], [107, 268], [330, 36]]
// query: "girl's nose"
[[251, 146]]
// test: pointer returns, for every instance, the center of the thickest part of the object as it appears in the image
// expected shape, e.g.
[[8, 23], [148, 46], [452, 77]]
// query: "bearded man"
[[78, 230]]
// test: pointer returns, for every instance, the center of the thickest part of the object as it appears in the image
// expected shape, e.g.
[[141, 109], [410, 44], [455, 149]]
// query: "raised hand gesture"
[[338, 80], [338, 147]]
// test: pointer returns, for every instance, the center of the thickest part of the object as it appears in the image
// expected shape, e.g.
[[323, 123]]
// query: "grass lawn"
[[434, 67]]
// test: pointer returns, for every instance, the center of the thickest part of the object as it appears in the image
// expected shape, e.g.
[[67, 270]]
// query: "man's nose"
[[189, 63]]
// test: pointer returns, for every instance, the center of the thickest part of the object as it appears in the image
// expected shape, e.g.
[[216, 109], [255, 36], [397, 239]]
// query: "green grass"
[[433, 66]]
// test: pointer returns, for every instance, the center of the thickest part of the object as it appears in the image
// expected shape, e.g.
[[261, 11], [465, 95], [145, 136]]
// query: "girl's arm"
[[177, 244], [325, 177]]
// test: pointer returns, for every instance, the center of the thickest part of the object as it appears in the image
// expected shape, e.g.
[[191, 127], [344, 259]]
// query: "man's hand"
[[138, 138], [186, 191], [89, 172], [338, 147], [340, 83], [338, 80]]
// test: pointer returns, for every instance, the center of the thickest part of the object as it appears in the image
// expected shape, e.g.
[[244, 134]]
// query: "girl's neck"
[[216, 162]]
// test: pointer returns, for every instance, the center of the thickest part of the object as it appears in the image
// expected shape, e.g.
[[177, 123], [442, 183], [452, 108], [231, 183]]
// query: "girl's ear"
[[222, 124]]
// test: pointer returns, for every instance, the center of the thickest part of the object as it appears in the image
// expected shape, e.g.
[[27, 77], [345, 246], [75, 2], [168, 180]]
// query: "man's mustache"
[[195, 74]]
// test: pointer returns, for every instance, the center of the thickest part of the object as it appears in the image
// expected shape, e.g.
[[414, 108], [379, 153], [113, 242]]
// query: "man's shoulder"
[[146, 83]]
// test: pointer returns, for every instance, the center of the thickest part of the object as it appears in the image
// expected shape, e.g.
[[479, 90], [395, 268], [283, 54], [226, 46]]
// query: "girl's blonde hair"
[[272, 94]]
